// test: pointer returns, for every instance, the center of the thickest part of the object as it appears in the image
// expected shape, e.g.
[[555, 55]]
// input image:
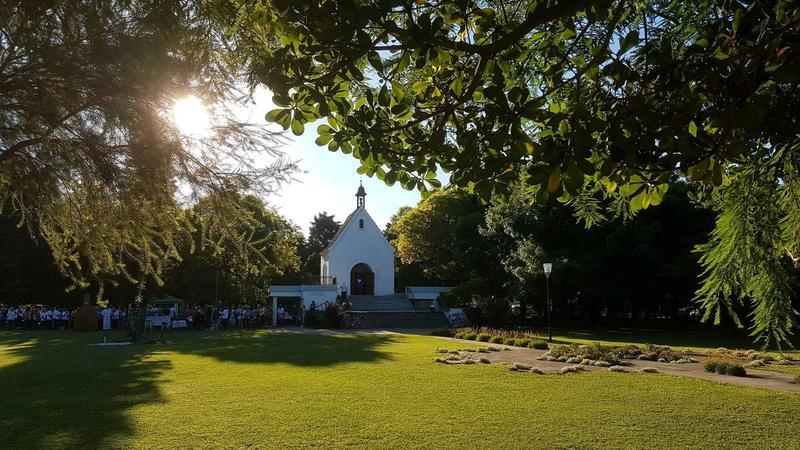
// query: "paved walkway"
[[755, 378]]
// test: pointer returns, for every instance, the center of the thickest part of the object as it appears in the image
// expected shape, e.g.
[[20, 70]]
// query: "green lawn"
[[274, 390]]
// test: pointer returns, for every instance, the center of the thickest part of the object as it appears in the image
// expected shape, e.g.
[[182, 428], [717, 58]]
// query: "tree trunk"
[[136, 328]]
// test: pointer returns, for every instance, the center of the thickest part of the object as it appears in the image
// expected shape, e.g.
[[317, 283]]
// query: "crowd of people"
[[32, 317], [197, 317], [239, 316]]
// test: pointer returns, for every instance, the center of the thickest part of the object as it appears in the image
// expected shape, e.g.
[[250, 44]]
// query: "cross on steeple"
[[360, 194]]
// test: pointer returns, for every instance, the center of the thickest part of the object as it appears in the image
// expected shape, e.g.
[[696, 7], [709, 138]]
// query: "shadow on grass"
[[298, 349], [57, 391]]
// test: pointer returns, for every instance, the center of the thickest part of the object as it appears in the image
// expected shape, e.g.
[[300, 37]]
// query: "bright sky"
[[329, 180]]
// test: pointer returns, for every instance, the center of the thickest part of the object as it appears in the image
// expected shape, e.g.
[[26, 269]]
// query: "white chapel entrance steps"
[[391, 311], [380, 303]]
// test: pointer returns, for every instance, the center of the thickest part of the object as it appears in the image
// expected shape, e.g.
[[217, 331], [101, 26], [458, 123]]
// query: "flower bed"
[[603, 355]]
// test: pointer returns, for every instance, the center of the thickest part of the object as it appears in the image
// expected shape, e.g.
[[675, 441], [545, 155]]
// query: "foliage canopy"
[[578, 98], [89, 158]]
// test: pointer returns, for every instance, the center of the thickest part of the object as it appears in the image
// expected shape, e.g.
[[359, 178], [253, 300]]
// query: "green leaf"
[[457, 86], [384, 99], [297, 127], [657, 194], [273, 115], [323, 140], [693, 128], [375, 61], [554, 181], [628, 42], [637, 202], [737, 20]]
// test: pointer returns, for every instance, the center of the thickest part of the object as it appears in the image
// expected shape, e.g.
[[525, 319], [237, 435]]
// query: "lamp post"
[[548, 269]]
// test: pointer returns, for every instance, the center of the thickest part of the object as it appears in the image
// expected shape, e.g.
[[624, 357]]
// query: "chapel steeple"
[[360, 194]]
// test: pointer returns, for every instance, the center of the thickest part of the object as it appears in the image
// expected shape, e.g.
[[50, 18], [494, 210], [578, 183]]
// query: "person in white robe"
[[107, 319]]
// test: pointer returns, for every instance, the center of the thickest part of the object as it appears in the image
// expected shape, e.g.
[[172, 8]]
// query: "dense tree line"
[[621, 269], [204, 270]]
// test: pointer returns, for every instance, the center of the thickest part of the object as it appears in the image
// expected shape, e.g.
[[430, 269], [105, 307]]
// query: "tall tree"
[[441, 236], [222, 272], [405, 273], [89, 155], [323, 228]]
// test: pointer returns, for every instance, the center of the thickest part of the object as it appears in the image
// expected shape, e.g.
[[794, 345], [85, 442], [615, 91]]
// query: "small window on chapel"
[[360, 223]]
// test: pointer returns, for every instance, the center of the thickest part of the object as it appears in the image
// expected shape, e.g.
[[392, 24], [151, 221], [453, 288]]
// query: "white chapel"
[[359, 259], [359, 264]]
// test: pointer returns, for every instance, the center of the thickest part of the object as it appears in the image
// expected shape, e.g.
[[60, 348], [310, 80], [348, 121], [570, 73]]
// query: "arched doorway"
[[362, 280]]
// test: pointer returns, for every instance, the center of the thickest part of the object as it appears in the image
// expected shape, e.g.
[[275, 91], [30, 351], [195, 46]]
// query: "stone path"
[[755, 378]]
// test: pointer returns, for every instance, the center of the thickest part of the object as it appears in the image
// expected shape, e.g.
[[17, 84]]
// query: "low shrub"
[[520, 342], [604, 364], [574, 360], [649, 370], [797, 379], [645, 358], [618, 369], [313, 319], [492, 348], [442, 350], [459, 335], [483, 337], [483, 350], [454, 358], [440, 360], [724, 367], [537, 371], [332, 316], [470, 336], [538, 344], [507, 348], [587, 362], [484, 360], [711, 365], [735, 370], [469, 361], [572, 369], [443, 332], [561, 359], [498, 340]]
